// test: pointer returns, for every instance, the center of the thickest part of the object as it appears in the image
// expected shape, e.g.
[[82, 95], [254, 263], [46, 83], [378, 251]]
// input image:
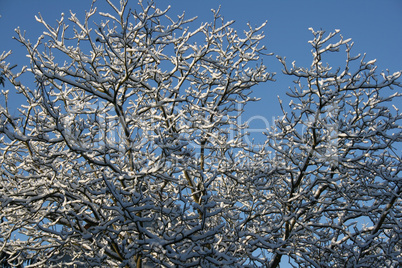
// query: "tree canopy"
[[129, 151]]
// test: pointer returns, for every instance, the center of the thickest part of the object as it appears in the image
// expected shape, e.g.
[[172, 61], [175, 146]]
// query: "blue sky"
[[374, 26]]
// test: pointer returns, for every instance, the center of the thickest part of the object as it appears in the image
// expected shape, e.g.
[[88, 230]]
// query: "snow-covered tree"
[[331, 195], [129, 153]]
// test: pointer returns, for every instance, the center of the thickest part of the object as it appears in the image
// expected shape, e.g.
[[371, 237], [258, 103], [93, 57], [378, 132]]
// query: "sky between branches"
[[374, 26]]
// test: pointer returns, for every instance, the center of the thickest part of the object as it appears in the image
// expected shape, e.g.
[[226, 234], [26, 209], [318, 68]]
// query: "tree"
[[332, 196], [129, 151]]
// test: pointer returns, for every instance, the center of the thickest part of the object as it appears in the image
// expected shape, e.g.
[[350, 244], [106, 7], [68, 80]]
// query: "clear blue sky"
[[375, 27]]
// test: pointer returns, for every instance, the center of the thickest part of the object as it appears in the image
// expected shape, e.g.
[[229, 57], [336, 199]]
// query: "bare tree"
[[119, 157], [129, 151], [331, 194]]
